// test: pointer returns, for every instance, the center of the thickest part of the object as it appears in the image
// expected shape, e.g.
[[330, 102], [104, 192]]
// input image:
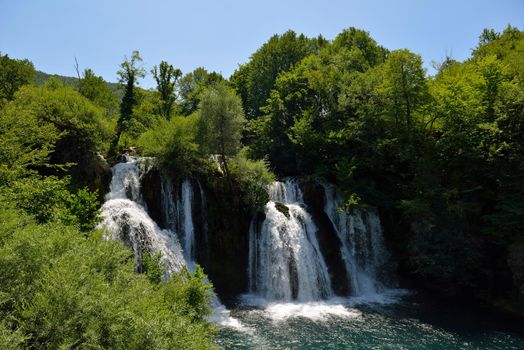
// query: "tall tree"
[[13, 74], [360, 43], [95, 89], [220, 122], [404, 85], [255, 80], [166, 77], [192, 86], [129, 73]]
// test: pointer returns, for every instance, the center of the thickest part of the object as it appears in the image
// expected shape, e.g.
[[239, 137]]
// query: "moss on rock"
[[282, 208]]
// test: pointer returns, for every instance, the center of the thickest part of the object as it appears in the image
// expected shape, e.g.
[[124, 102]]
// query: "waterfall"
[[125, 182], [178, 215], [186, 202], [285, 262], [125, 217], [362, 243]]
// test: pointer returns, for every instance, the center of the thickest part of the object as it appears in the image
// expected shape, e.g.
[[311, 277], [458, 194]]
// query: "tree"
[[193, 84], [404, 84], [25, 142], [493, 72], [129, 73], [95, 89], [357, 40], [220, 123], [146, 113], [13, 74], [81, 126], [52, 128], [255, 80], [487, 36], [166, 77]]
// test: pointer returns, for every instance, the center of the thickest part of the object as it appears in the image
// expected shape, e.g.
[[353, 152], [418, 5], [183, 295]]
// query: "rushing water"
[[285, 259], [125, 218], [385, 321], [179, 215], [362, 244], [291, 303]]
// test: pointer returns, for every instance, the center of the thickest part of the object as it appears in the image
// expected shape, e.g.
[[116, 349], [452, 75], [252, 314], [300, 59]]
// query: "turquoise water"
[[384, 322]]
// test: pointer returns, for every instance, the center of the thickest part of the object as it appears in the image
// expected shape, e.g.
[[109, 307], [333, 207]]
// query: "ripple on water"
[[351, 323]]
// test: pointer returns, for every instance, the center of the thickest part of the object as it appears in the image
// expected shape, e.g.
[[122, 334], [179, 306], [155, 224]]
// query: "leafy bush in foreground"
[[60, 289]]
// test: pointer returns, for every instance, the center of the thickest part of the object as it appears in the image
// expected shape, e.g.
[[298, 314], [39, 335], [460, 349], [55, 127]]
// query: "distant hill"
[[41, 78]]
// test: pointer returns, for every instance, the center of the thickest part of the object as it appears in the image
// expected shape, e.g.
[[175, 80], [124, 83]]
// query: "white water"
[[285, 261], [362, 248], [188, 228], [178, 215], [125, 183], [319, 310], [125, 218], [287, 273]]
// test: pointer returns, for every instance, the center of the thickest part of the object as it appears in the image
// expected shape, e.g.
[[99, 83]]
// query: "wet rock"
[[516, 265], [282, 208]]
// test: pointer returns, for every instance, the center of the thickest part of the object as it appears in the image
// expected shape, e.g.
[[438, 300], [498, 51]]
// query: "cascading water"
[[285, 262], [362, 244], [125, 218], [178, 215], [125, 182], [188, 227]]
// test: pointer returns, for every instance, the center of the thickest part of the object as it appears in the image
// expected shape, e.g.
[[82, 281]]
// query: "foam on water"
[[323, 310], [314, 310], [222, 316]]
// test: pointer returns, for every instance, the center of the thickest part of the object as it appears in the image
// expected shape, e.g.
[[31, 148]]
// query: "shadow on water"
[[456, 316]]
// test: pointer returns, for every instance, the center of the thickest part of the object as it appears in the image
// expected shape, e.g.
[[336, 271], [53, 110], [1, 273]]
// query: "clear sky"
[[221, 34]]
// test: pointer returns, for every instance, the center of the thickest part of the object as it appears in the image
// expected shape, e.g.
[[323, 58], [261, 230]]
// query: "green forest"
[[441, 156]]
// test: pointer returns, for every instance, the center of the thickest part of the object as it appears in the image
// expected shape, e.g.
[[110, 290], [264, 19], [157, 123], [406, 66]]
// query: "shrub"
[[173, 143], [61, 289], [254, 177]]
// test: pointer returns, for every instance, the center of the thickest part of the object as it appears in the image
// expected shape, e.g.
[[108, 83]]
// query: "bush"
[[173, 144], [254, 177], [48, 199], [83, 127], [60, 289]]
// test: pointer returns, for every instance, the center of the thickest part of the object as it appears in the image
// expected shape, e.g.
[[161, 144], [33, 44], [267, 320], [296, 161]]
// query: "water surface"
[[387, 321]]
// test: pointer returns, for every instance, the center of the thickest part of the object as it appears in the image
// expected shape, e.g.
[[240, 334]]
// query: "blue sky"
[[221, 34]]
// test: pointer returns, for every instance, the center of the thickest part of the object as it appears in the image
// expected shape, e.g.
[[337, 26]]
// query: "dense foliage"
[[256, 79], [60, 289], [61, 284], [441, 155]]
